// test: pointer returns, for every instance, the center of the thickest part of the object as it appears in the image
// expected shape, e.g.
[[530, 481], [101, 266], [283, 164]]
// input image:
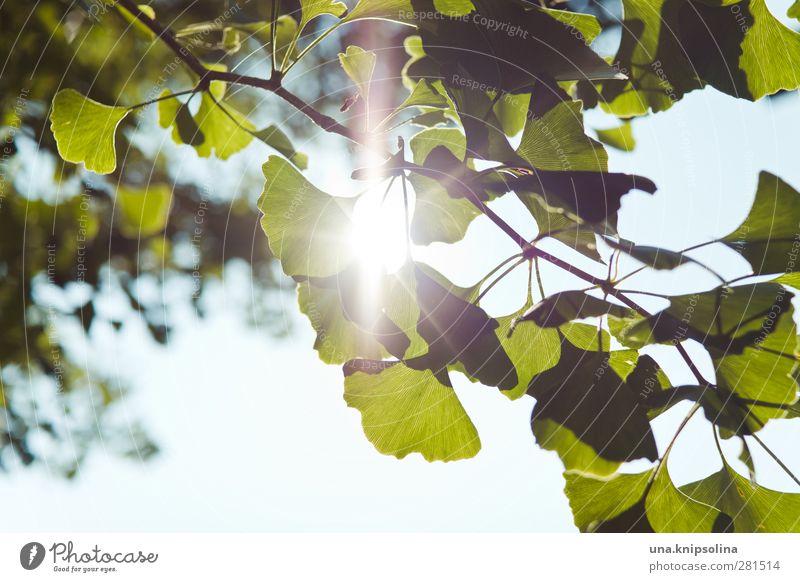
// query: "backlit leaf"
[[409, 411], [307, 229], [84, 130]]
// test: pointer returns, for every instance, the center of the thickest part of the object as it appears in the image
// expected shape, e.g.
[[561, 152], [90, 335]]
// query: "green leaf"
[[556, 141], [307, 229], [556, 225], [173, 113], [512, 112], [454, 7], [413, 47], [556, 310], [670, 48], [790, 279], [768, 238], [394, 10], [135, 22], [586, 396], [753, 508], [409, 411], [285, 32], [620, 138], [437, 216], [794, 10], [338, 338], [84, 130], [143, 213], [586, 24], [359, 314], [749, 332], [459, 332], [654, 257], [279, 141], [468, 53], [424, 96], [225, 130], [311, 9], [359, 66], [623, 503], [595, 502], [484, 132], [532, 350]]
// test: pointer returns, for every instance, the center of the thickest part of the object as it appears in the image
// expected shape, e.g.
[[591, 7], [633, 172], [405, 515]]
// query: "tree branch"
[[207, 75]]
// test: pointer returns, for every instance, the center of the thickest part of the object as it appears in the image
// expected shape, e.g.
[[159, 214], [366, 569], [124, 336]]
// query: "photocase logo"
[[31, 555]]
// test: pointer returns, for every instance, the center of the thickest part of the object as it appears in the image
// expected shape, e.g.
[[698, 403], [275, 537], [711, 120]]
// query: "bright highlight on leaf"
[[307, 229]]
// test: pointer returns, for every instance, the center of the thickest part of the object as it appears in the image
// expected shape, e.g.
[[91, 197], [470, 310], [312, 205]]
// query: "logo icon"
[[31, 555]]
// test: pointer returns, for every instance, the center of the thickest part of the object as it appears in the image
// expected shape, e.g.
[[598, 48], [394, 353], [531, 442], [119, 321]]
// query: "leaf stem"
[[273, 34], [163, 98], [775, 458], [663, 459], [499, 278], [311, 45]]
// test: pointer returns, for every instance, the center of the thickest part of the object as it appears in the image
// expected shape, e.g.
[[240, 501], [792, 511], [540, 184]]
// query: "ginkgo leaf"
[[556, 141], [173, 113], [569, 169], [311, 9], [279, 141], [359, 66], [620, 138], [424, 96], [556, 310], [526, 45], [338, 338], [511, 111], [586, 24], [135, 22], [225, 130], [585, 394], [405, 411], [556, 225], [639, 502], [458, 331], [595, 502], [394, 10], [307, 229], [360, 314], [753, 508], [794, 10], [143, 212], [768, 237], [655, 257], [749, 332], [532, 350], [412, 44], [485, 136], [84, 130], [671, 48], [438, 216]]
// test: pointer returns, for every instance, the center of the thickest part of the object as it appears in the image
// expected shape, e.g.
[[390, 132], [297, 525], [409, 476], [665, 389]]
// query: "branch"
[[207, 75]]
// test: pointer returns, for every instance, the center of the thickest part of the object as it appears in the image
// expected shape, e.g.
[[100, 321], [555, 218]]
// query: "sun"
[[379, 236]]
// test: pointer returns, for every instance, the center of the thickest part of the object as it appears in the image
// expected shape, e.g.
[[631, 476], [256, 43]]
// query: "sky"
[[255, 435]]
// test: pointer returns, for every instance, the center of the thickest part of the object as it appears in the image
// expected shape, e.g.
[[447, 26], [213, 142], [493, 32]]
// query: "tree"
[[479, 73]]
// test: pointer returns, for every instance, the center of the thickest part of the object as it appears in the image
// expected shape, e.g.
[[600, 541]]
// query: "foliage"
[[479, 73]]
